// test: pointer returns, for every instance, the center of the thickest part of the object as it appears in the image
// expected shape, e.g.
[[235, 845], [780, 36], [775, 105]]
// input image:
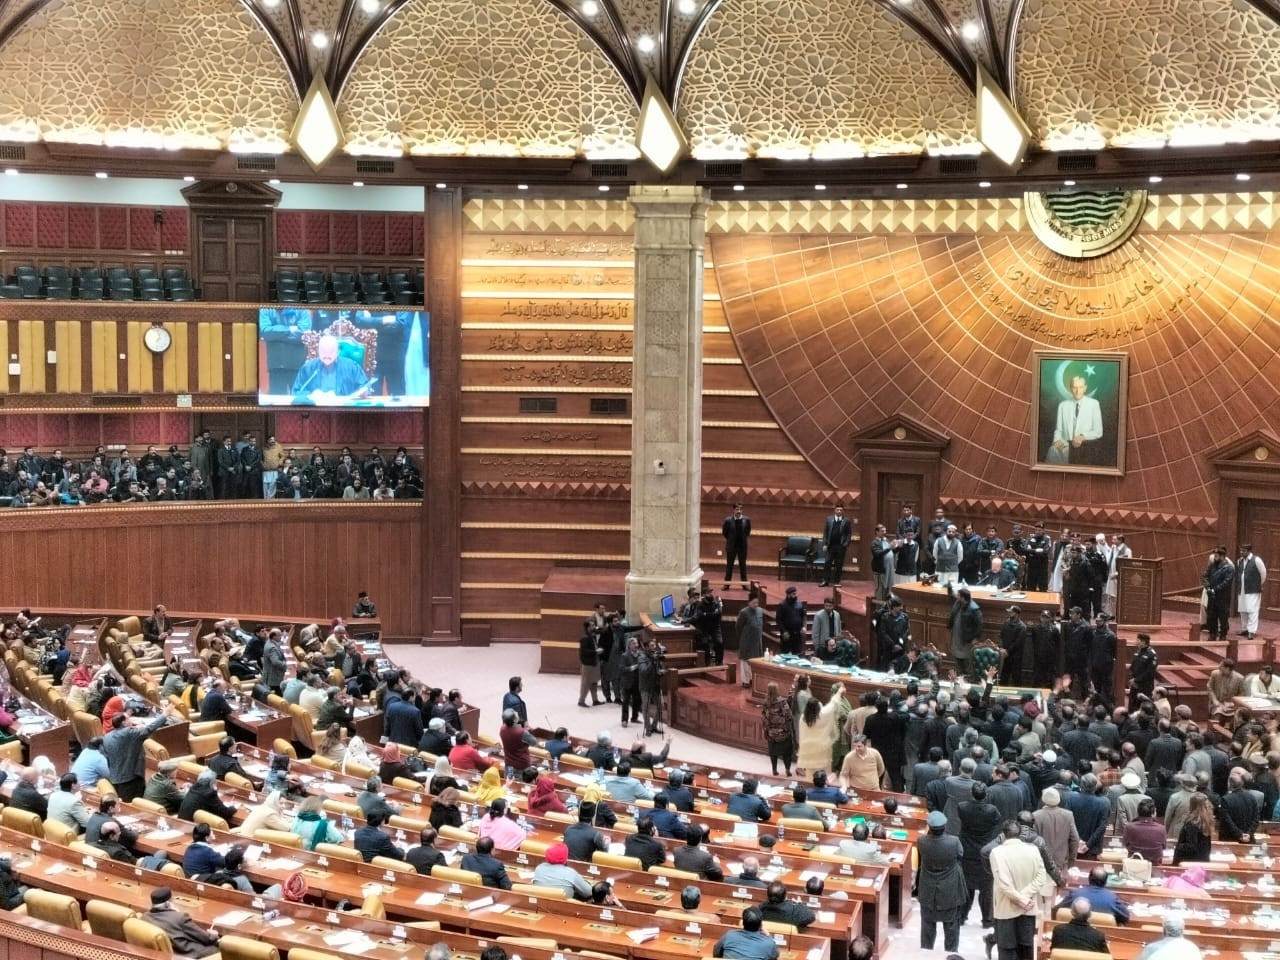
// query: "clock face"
[[157, 339]]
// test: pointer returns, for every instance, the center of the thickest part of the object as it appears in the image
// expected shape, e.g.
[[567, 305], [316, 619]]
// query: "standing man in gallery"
[[835, 537], [1251, 574], [737, 531], [882, 563], [1219, 577]]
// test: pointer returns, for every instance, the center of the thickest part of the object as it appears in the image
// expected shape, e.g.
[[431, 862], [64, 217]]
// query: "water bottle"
[[782, 833], [555, 763]]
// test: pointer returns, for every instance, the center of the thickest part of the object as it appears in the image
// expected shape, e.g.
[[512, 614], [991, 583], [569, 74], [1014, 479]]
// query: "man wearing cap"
[[1218, 579], [1174, 945], [1128, 800], [555, 871], [1013, 637], [965, 623], [1039, 548], [835, 538], [1057, 827], [790, 617], [187, 937], [941, 888], [1102, 659]]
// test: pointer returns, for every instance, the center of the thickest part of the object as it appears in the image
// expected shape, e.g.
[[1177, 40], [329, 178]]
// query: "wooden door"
[[1260, 525], [897, 489], [232, 423], [232, 257]]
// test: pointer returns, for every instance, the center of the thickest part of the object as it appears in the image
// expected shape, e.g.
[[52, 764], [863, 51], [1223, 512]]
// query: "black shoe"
[[624, 723], [343, 905], [822, 583], [989, 941], [635, 719], [582, 703]]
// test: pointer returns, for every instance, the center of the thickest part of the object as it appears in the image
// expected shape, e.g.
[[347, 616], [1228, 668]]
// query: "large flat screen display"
[[343, 357]]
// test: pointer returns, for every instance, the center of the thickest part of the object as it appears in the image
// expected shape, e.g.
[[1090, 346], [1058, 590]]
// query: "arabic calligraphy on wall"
[[572, 374]]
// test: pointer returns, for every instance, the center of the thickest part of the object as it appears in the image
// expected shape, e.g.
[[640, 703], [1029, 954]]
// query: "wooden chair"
[[55, 908], [537, 890], [278, 838], [619, 861], [233, 947], [456, 875], [338, 852], [59, 832], [212, 819], [395, 866], [802, 823], [24, 821], [139, 933], [106, 919]]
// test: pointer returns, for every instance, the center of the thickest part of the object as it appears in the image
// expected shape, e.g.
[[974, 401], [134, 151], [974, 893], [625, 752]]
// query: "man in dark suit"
[[490, 868], [778, 909], [188, 938], [1079, 933], [155, 628], [737, 531], [835, 537], [372, 842], [425, 855]]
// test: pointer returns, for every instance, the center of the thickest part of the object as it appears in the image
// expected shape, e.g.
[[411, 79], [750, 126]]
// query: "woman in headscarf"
[[312, 826], [392, 765], [543, 797], [442, 777], [357, 753], [603, 815], [445, 812], [267, 815], [490, 787], [506, 833]]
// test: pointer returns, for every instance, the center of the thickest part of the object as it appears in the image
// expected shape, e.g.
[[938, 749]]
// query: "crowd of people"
[[228, 469]]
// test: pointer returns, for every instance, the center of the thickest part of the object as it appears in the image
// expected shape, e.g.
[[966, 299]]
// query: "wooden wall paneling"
[[31, 356], [442, 500]]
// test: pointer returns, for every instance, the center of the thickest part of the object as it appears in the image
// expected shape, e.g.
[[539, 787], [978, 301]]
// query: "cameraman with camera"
[[653, 657]]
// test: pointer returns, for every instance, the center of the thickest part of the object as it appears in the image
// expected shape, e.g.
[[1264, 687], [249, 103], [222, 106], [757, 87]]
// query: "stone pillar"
[[666, 397]]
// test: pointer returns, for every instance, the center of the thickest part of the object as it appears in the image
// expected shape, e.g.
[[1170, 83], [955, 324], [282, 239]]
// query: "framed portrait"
[[1078, 412]]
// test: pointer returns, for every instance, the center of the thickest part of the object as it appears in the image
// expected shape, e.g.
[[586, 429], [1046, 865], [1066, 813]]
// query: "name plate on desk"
[[661, 881], [693, 928]]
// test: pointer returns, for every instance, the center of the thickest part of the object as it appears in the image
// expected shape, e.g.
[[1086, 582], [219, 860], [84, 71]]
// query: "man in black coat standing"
[[835, 537], [737, 531], [941, 887]]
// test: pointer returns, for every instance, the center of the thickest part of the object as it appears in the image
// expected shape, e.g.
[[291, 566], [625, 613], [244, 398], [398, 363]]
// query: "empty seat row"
[[96, 283], [317, 286]]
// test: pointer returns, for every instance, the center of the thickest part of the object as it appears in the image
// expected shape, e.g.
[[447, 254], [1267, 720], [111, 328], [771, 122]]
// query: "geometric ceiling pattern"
[[461, 77], [1098, 73], [150, 73], [561, 78], [812, 78]]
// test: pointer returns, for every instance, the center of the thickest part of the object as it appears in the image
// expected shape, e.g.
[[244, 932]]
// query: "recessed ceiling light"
[[274, 181], [357, 183], [970, 30], [984, 184], [590, 8], [11, 172], [687, 7], [441, 186], [645, 43], [902, 186], [369, 6], [101, 175], [738, 188], [522, 186], [188, 179], [271, 4], [819, 186], [604, 188], [1242, 176], [1068, 183], [320, 40], [1154, 179]]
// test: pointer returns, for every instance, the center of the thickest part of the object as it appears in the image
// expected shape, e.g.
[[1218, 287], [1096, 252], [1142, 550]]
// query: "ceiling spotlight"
[[819, 186], [522, 186], [441, 186], [590, 8], [738, 188], [687, 7], [902, 186], [1242, 176], [11, 172], [101, 174], [645, 43], [604, 188], [274, 181], [369, 6], [970, 30], [357, 183], [1068, 183], [1154, 179], [320, 40], [984, 184], [271, 4], [188, 179]]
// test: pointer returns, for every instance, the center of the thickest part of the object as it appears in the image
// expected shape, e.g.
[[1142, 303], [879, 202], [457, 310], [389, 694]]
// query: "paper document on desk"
[[280, 863], [233, 918], [344, 937], [430, 899], [643, 935], [826, 916], [163, 834]]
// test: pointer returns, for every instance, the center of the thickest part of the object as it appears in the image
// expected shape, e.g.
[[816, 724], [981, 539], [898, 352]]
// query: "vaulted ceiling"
[[788, 79]]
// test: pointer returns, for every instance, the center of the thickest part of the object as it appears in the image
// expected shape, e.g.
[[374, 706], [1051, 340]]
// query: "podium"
[[1139, 591]]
